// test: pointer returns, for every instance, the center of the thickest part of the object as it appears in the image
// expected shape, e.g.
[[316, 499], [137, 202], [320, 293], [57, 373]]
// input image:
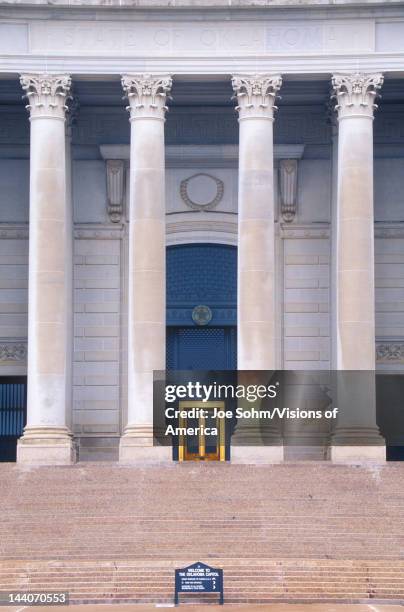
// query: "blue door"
[[206, 348], [201, 278]]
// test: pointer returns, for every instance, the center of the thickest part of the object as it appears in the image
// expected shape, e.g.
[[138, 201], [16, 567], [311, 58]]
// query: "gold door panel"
[[202, 446]]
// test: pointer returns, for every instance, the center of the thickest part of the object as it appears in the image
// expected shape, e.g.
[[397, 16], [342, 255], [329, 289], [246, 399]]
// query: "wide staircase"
[[292, 532]]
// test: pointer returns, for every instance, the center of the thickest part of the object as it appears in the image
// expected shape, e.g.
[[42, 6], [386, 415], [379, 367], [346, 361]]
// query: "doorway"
[[203, 431], [201, 307], [202, 337]]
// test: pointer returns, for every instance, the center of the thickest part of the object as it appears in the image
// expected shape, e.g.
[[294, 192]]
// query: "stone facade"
[[292, 188]]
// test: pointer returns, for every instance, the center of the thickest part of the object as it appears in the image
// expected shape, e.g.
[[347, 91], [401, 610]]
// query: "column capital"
[[256, 94], [147, 95], [47, 94], [355, 93]]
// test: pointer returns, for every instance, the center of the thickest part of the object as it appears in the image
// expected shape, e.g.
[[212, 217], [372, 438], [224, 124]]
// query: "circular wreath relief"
[[201, 315], [184, 187]]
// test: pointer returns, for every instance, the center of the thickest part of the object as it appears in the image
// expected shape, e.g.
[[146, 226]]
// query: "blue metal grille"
[[13, 411], [207, 348], [202, 273]]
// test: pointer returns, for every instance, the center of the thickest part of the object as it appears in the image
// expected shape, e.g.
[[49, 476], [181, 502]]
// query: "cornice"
[[214, 64], [205, 9]]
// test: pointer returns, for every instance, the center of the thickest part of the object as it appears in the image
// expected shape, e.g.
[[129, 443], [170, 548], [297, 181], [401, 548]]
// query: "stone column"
[[47, 439], [147, 97], [256, 329], [356, 436]]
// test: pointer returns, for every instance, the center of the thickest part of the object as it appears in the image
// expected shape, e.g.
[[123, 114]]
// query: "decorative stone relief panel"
[[288, 188], [13, 350], [195, 190], [390, 352], [202, 191], [115, 188]]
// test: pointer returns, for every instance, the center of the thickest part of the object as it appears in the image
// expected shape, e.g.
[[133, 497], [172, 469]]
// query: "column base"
[[358, 454], [46, 446], [357, 445], [257, 454], [137, 446]]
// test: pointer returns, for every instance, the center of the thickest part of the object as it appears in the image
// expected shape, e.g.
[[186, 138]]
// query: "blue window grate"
[[13, 414]]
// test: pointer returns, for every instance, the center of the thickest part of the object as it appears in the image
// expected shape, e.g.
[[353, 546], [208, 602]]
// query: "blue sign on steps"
[[198, 578]]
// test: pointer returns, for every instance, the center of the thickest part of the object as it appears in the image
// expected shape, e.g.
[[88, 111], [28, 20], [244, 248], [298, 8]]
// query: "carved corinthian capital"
[[147, 94], [355, 93], [256, 94], [46, 94]]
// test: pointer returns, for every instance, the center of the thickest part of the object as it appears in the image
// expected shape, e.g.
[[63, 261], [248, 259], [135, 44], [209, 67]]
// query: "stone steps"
[[293, 532]]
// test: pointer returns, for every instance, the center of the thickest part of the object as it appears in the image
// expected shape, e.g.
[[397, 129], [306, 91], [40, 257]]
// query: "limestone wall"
[[13, 300], [306, 295], [97, 338]]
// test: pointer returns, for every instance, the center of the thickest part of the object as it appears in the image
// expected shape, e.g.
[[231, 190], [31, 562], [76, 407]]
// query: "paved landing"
[[212, 608]]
